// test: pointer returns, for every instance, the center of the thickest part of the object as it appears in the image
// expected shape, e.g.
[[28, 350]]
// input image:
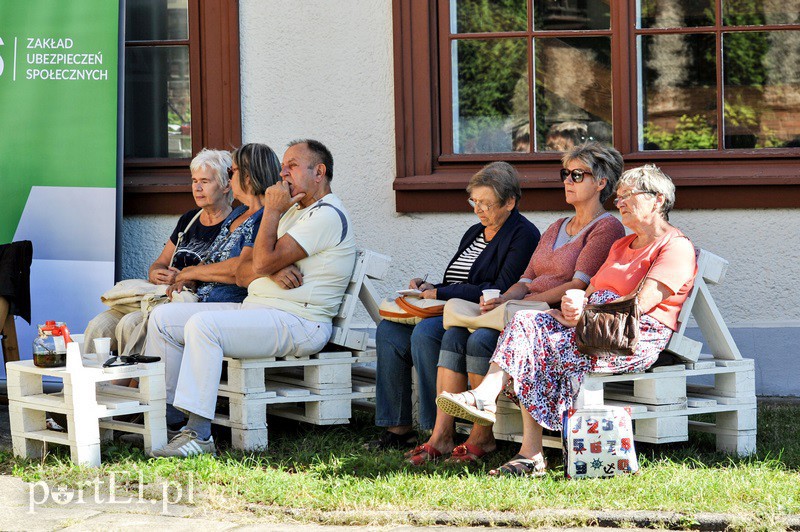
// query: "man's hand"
[[288, 277], [278, 198], [178, 286]]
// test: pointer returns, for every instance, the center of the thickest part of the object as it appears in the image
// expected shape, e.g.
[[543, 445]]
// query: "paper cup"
[[491, 293], [102, 347], [576, 297]]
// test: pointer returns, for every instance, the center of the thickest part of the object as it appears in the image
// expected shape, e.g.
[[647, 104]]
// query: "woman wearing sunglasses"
[[492, 254], [537, 362], [568, 255]]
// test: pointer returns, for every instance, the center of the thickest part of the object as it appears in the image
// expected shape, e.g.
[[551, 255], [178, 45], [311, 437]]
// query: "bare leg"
[[531, 435], [491, 385], [441, 438], [480, 435]]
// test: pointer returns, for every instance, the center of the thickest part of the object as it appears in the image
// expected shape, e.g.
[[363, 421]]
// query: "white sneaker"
[[186, 444], [137, 440]]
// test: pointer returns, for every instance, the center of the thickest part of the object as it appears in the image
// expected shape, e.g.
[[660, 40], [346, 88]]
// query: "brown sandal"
[[519, 466]]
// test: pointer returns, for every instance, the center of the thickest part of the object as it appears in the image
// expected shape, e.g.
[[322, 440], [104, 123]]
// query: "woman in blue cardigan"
[[492, 254]]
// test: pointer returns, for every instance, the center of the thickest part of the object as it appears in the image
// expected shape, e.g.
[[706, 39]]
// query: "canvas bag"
[[463, 313], [410, 310], [598, 442]]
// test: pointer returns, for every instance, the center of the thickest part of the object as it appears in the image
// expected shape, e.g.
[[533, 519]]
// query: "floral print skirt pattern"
[[546, 368]]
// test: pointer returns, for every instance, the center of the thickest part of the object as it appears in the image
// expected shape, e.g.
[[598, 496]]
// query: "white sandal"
[[458, 405]]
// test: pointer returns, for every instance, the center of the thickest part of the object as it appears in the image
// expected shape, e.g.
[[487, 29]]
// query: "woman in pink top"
[[537, 361], [568, 255]]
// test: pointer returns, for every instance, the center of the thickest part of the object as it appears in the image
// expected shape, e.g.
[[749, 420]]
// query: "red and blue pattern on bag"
[[598, 442]]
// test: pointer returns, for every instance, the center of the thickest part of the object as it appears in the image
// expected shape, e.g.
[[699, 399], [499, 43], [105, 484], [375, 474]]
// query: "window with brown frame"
[[707, 89], [181, 94]]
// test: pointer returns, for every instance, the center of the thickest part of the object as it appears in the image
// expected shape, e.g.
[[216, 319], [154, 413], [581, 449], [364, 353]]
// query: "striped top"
[[458, 272]]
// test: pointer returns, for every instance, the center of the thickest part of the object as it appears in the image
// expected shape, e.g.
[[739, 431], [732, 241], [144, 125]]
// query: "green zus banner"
[[59, 73]]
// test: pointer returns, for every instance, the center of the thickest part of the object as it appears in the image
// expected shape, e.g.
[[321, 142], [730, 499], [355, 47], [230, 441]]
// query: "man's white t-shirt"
[[324, 231]]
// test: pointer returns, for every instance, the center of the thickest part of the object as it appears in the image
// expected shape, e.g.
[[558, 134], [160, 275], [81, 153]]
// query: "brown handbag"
[[611, 329]]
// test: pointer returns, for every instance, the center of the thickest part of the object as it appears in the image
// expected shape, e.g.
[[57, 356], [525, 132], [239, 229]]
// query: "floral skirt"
[[546, 368]]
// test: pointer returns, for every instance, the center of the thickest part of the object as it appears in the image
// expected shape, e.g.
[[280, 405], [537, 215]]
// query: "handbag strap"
[[419, 312], [180, 236]]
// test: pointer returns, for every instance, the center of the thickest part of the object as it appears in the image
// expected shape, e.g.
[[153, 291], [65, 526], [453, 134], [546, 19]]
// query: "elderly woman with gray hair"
[[492, 255], [537, 361], [569, 254], [190, 240]]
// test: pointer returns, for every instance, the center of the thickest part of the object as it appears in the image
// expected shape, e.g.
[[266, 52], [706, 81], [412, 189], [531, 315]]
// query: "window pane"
[[156, 20], [490, 94], [158, 115], [571, 15], [675, 13], [483, 16], [760, 12], [678, 100], [762, 89], [573, 91]]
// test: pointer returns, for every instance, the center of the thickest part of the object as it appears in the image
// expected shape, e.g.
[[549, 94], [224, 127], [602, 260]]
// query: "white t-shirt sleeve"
[[321, 229]]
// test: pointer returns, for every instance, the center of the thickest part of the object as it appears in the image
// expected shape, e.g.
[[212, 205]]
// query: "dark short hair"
[[604, 161], [500, 177], [322, 155], [260, 164]]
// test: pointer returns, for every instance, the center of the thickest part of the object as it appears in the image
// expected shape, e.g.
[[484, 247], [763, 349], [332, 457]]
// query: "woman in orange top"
[[537, 361]]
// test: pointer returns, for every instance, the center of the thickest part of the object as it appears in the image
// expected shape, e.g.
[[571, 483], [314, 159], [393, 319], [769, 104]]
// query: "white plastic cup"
[[490, 293], [576, 297], [102, 347]]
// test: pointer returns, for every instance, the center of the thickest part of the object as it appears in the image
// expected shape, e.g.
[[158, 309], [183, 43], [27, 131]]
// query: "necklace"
[[595, 217]]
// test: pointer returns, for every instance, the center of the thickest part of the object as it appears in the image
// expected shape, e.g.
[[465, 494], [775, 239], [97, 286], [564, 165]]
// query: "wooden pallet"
[[662, 400], [318, 389]]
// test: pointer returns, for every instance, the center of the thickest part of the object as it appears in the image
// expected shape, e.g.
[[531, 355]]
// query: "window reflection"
[[678, 84], [571, 15], [483, 16], [573, 91], [156, 20], [675, 13], [760, 12], [490, 94], [157, 102], [762, 89]]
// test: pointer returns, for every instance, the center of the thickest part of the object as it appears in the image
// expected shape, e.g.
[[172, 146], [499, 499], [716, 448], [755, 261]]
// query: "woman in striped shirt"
[[492, 254]]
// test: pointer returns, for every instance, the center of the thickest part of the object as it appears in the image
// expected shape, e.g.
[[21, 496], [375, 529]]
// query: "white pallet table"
[[319, 389], [89, 401]]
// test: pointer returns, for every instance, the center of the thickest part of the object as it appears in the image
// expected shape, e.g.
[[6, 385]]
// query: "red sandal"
[[466, 453], [424, 453]]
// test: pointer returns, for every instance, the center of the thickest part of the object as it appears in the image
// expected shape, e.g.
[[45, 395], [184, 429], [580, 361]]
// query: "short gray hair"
[[650, 178], [604, 162], [500, 177], [218, 161]]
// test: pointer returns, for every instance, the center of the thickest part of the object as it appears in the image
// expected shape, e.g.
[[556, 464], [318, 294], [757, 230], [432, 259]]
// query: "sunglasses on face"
[[232, 171], [577, 175]]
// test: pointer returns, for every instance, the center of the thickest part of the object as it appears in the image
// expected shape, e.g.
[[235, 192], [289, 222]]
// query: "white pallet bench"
[[319, 389], [89, 401], [664, 398]]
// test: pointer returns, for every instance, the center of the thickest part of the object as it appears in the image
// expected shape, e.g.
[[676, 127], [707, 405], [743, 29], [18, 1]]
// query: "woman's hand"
[[570, 311], [560, 318], [178, 286], [184, 275], [492, 304], [429, 293], [288, 277], [163, 275]]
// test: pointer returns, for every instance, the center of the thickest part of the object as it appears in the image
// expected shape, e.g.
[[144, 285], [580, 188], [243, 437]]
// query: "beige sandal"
[[475, 410]]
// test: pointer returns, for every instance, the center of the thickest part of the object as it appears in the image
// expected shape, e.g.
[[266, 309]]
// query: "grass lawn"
[[326, 469]]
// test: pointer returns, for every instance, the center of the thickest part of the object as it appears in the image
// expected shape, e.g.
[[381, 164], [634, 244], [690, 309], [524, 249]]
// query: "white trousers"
[[191, 338]]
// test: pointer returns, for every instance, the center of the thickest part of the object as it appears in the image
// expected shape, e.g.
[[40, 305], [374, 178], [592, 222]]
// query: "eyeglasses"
[[232, 171], [629, 195], [483, 207], [130, 360], [577, 174]]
